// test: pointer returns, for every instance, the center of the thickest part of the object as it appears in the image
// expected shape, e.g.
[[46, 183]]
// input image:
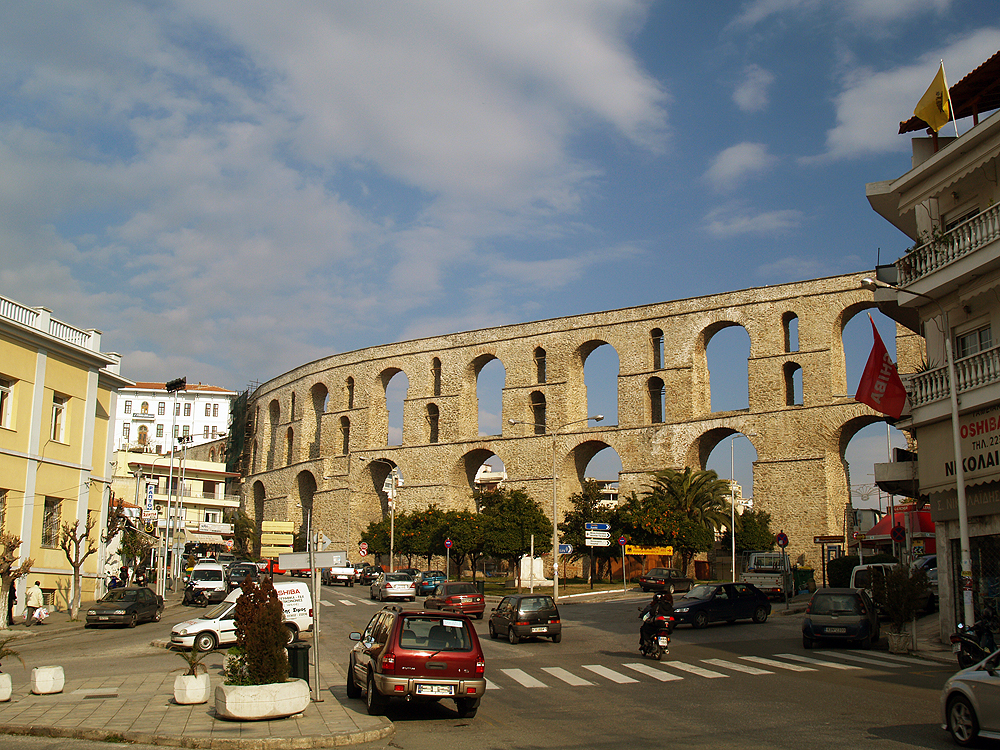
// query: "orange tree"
[[467, 532], [511, 517]]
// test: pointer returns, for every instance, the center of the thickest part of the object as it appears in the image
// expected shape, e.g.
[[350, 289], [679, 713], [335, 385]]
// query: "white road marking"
[[610, 674], [659, 674], [871, 659], [347, 602], [779, 664], [492, 686], [736, 667], [522, 677], [819, 662], [694, 669], [566, 676]]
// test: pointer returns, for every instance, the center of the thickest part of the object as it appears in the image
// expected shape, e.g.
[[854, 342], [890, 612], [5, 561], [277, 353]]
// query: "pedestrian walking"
[[11, 602], [33, 600]]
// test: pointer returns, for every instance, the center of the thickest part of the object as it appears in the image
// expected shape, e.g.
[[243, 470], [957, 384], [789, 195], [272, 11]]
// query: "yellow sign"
[[287, 527], [277, 540], [274, 551], [637, 549]]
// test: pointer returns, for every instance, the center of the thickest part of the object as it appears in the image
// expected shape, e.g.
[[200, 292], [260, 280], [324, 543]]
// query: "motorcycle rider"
[[662, 603]]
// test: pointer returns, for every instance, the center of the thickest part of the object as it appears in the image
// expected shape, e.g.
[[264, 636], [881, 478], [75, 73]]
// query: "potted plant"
[[192, 686], [257, 684], [6, 687], [899, 595]]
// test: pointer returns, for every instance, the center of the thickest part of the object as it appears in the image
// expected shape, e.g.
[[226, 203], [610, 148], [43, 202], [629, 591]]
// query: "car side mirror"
[[355, 636]]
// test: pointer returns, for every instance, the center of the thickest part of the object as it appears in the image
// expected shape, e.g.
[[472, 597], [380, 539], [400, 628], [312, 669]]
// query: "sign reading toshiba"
[[980, 444]]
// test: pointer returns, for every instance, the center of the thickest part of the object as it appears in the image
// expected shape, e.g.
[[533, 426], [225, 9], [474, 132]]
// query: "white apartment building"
[[149, 419]]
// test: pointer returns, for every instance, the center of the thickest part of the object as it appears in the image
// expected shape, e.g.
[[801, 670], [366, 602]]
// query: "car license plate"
[[435, 689], [956, 648], [102, 617], [836, 630], [539, 629]]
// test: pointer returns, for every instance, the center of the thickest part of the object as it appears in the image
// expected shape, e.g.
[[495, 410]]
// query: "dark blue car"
[[721, 602]]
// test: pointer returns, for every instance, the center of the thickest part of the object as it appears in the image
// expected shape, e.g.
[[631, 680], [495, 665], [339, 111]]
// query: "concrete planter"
[[46, 680], [899, 643], [190, 689], [6, 687], [256, 702]]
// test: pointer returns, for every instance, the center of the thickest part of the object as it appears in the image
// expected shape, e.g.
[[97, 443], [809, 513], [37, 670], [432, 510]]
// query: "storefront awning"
[[193, 536]]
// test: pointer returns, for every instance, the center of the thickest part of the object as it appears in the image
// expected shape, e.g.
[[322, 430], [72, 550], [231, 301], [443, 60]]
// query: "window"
[[208, 410], [125, 430], [538, 412], [974, 342], [187, 410], [205, 435], [58, 417], [213, 516], [144, 407], [187, 430], [161, 408], [349, 393], [6, 398], [436, 376], [159, 430], [143, 434], [433, 421], [215, 410], [657, 401], [790, 326], [176, 431], [539, 365], [51, 520], [128, 407], [3, 510], [656, 341], [215, 432], [345, 436], [177, 408]]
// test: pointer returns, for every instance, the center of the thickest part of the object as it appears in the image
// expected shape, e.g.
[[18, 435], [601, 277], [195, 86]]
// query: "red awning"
[[920, 524]]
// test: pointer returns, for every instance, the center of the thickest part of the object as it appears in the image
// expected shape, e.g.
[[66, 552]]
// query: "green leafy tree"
[[695, 494], [259, 657], [243, 533], [753, 532], [900, 594], [425, 531], [510, 518], [467, 532], [376, 536], [134, 547], [589, 508]]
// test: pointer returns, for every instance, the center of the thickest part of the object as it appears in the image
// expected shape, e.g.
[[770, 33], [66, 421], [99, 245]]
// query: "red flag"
[[880, 386]]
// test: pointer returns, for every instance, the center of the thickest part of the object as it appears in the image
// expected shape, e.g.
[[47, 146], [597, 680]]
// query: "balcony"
[[966, 238], [971, 372]]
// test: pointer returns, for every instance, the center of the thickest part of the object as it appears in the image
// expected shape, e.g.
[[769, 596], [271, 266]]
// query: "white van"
[[218, 626]]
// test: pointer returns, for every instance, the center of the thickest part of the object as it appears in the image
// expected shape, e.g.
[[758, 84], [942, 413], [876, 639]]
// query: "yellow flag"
[[934, 107]]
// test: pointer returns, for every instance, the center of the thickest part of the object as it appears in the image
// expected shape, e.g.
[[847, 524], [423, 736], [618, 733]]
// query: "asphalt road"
[[728, 686]]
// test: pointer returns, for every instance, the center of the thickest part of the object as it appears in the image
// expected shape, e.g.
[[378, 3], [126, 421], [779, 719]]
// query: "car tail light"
[[864, 611], [388, 663], [555, 620], [310, 611], [480, 666], [809, 607], [453, 600], [521, 622]]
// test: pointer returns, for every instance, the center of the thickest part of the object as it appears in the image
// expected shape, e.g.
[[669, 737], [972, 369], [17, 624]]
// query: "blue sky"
[[230, 189]]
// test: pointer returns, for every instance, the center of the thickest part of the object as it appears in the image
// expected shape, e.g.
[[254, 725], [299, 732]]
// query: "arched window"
[[143, 434], [436, 376], [656, 341], [144, 408], [793, 384], [657, 401], [289, 442], [538, 412], [292, 414], [433, 417], [539, 365], [349, 393], [790, 326], [345, 436]]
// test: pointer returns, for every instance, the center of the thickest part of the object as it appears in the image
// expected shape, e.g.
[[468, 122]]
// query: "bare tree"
[[117, 520], [78, 546], [9, 571]]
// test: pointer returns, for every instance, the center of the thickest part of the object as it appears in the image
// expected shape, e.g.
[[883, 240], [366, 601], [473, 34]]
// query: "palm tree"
[[699, 496]]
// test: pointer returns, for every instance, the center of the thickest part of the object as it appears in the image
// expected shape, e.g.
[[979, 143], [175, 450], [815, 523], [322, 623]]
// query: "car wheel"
[[353, 689], [866, 642], [467, 707], [291, 634], [374, 700], [512, 637], [700, 620], [157, 615], [962, 722], [644, 589], [760, 614], [134, 620], [479, 616], [670, 588], [557, 637], [807, 643], [204, 642], [493, 630]]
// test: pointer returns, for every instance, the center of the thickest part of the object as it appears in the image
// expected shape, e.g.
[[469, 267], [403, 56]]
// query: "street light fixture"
[[555, 506], [963, 516]]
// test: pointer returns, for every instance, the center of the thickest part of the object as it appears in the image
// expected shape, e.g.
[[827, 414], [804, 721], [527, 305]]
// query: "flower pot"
[[6, 686], [898, 642], [191, 688], [46, 680], [256, 702]]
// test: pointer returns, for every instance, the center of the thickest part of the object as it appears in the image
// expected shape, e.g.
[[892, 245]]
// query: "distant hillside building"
[[147, 414]]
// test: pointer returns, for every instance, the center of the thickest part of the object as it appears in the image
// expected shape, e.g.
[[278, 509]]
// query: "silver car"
[[394, 586], [969, 702]]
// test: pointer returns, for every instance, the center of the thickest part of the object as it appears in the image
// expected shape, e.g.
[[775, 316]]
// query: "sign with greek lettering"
[[979, 434]]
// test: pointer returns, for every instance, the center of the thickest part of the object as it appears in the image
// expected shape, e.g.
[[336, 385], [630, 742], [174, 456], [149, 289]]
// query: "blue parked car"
[[429, 581]]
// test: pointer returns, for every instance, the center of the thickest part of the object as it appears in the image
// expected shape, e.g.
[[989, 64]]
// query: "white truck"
[[770, 572], [342, 572]]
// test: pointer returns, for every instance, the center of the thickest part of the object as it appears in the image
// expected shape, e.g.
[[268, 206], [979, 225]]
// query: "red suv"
[[417, 655]]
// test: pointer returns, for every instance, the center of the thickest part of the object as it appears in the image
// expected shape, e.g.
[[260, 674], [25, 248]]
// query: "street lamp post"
[[956, 435], [173, 386], [555, 505], [732, 498]]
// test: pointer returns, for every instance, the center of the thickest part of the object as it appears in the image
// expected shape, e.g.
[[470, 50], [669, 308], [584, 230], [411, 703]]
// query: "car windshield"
[[836, 604], [701, 591], [218, 611], [535, 603], [434, 634], [120, 595], [206, 575]]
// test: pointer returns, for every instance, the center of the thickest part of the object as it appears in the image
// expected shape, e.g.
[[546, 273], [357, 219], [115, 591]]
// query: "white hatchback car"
[[394, 586], [968, 707]]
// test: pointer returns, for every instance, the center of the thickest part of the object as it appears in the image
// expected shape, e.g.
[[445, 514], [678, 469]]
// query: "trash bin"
[[298, 660], [481, 587]]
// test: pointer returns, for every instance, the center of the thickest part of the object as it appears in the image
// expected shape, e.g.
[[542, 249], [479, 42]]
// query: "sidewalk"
[[141, 709]]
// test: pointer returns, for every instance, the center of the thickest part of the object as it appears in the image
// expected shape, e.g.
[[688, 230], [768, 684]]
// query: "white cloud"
[[751, 95], [737, 164], [734, 221], [858, 13]]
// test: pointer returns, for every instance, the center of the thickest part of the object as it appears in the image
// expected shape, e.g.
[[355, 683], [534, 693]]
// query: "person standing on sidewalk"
[[33, 600]]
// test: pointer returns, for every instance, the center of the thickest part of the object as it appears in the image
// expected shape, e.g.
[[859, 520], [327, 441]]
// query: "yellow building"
[[57, 404]]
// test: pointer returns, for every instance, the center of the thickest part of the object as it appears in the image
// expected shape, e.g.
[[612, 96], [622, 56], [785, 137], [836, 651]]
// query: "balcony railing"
[[972, 372], [40, 318], [967, 237]]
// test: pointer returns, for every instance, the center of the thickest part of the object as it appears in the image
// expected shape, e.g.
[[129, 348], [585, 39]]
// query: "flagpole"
[[947, 92]]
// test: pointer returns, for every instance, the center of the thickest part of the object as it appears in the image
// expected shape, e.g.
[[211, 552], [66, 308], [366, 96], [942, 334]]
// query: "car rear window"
[[836, 604], [398, 577], [462, 588], [434, 633], [535, 603]]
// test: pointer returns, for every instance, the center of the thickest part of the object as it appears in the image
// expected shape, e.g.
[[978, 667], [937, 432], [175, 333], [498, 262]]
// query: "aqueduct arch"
[[800, 474]]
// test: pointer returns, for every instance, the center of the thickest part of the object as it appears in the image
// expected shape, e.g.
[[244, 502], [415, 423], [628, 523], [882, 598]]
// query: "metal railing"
[[40, 319], [972, 372], [938, 252]]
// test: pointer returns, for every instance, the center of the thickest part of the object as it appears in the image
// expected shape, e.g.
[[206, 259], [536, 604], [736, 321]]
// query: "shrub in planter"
[[192, 687], [259, 657], [899, 594]]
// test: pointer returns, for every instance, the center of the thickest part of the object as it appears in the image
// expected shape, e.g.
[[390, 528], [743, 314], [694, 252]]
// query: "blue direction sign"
[[565, 549], [597, 526]]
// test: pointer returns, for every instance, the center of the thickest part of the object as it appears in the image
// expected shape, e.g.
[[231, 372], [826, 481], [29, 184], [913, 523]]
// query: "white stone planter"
[[45, 680], [255, 702], [190, 688], [6, 687]]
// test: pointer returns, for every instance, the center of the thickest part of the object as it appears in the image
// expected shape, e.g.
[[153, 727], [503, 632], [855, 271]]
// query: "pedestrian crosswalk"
[[671, 670]]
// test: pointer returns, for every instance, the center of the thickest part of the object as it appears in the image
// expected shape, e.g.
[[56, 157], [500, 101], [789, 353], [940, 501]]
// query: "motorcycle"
[[973, 644], [658, 644], [194, 595]]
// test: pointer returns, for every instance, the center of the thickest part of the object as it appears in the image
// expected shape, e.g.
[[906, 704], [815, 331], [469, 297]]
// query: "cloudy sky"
[[230, 189]]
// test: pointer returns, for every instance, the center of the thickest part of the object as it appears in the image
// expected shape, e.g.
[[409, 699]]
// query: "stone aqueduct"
[[320, 431]]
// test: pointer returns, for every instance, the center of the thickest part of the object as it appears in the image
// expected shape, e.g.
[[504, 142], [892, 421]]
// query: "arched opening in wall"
[[253, 457], [491, 376], [289, 447], [857, 341], [345, 436], [433, 418], [864, 442], [436, 377], [258, 514], [274, 416], [790, 327], [482, 469], [349, 393], [731, 454], [539, 359], [538, 412], [656, 400], [600, 376], [657, 345], [319, 397], [386, 478], [728, 354], [793, 383], [601, 464], [306, 486], [292, 411], [395, 396]]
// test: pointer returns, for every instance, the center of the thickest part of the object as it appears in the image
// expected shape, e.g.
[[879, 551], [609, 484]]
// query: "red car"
[[453, 596]]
